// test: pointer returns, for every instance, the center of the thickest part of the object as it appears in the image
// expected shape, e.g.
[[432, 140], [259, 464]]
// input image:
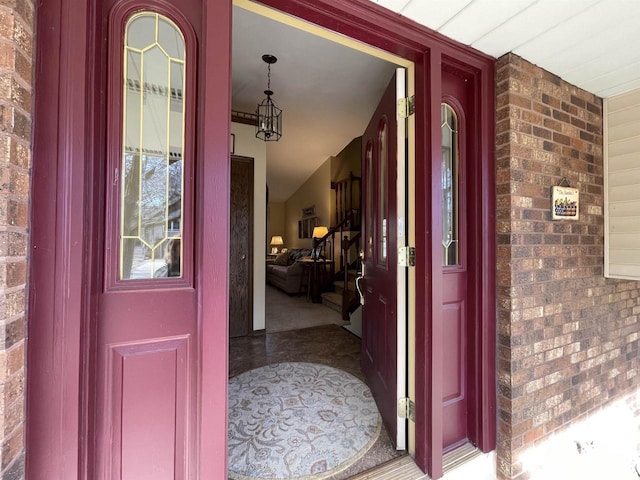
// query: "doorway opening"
[[328, 88]]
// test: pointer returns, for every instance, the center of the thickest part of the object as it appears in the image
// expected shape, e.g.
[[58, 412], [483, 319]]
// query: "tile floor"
[[330, 345]]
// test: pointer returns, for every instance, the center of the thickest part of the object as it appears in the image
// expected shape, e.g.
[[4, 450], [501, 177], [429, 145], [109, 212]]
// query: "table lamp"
[[318, 232], [276, 241]]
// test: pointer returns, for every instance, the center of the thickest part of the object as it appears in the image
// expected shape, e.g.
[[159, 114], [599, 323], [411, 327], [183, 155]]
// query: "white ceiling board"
[[616, 78], [620, 89], [433, 13], [600, 51], [532, 22], [395, 5], [590, 43], [572, 31], [481, 16]]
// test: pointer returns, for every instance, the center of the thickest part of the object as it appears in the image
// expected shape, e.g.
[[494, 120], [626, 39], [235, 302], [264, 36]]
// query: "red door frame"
[[431, 52], [65, 235]]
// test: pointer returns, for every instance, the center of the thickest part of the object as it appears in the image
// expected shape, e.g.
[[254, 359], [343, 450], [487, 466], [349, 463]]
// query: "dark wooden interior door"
[[147, 329], [241, 247], [379, 322], [456, 315]]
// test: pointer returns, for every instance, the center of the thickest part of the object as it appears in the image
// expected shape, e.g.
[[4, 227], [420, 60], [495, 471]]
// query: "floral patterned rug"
[[298, 421]]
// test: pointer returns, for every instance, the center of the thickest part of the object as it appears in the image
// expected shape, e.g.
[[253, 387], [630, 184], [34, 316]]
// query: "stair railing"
[[348, 200], [347, 244], [320, 244], [349, 303]]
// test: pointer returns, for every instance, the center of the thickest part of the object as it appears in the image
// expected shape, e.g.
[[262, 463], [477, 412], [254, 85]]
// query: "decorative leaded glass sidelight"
[[383, 159], [152, 168], [450, 180], [369, 209]]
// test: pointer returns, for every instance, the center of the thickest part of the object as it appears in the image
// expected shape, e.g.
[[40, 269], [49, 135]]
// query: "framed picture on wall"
[[305, 227]]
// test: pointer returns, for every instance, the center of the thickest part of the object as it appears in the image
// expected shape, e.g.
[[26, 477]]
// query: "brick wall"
[[567, 337], [16, 58]]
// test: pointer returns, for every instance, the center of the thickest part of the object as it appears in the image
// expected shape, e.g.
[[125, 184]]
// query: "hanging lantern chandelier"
[[269, 126]]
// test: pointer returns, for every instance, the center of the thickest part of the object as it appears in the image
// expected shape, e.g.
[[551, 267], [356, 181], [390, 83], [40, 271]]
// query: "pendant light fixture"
[[269, 126]]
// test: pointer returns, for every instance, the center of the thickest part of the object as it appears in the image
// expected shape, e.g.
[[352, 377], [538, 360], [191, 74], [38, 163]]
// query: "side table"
[[313, 278]]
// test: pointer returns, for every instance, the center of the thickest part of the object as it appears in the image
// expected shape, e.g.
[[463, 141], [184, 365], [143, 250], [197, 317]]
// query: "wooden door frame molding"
[[60, 273], [66, 199]]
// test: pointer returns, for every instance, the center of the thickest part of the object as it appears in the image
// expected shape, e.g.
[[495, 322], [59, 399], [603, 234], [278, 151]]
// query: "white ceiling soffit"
[[592, 44], [328, 93]]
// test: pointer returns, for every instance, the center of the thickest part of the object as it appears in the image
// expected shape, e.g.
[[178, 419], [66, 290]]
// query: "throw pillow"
[[282, 259]]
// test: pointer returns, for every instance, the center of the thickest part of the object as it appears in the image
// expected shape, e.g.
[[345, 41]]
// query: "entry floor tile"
[[329, 345]]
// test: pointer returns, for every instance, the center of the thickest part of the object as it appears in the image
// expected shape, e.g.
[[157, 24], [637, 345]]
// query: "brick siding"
[[16, 60], [567, 337]]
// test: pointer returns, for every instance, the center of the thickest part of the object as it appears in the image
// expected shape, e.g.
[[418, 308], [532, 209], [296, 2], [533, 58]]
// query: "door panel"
[[455, 315], [146, 395], [379, 322], [153, 378], [454, 382]]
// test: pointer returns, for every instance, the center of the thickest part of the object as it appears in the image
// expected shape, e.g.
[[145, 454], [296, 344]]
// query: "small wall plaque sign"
[[565, 203]]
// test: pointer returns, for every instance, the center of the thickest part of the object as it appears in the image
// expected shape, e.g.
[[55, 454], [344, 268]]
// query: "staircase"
[[334, 299], [339, 292]]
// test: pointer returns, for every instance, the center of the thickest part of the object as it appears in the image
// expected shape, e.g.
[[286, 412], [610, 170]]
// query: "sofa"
[[287, 275]]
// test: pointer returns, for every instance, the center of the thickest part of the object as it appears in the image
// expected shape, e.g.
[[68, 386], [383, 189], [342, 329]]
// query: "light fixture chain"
[[269, 76]]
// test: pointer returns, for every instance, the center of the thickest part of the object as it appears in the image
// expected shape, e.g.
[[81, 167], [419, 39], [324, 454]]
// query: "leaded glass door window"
[[152, 169], [450, 187]]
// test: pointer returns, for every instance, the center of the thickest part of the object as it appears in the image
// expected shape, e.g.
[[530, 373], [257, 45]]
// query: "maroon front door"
[[379, 320], [147, 332]]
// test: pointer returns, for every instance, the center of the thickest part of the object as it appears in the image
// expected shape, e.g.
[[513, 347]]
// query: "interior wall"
[[275, 222], [348, 160], [247, 145], [316, 191]]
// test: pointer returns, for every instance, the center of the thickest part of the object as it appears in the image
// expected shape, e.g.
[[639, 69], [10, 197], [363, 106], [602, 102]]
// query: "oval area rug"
[[298, 421]]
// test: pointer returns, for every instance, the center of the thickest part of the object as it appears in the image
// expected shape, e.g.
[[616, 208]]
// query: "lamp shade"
[[319, 232], [277, 240]]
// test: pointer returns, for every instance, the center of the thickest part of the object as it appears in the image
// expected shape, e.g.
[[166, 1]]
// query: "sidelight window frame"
[[116, 90]]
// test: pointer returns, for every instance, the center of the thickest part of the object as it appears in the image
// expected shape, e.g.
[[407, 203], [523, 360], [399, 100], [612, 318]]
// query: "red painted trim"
[[212, 217], [423, 279], [57, 298], [488, 398], [433, 184]]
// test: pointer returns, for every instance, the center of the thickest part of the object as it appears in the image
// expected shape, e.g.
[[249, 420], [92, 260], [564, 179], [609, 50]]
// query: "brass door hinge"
[[407, 409], [407, 256], [406, 106]]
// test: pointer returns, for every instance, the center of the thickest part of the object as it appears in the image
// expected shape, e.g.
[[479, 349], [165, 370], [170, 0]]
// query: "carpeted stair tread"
[[332, 300], [339, 285]]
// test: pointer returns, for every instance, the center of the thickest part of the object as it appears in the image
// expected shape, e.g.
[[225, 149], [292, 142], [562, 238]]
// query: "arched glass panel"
[[151, 201], [450, 180], [369, 220], [383, 149]]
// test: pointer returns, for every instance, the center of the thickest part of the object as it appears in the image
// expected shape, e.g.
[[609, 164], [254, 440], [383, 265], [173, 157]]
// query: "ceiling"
[[592, 44], [328, 91]]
